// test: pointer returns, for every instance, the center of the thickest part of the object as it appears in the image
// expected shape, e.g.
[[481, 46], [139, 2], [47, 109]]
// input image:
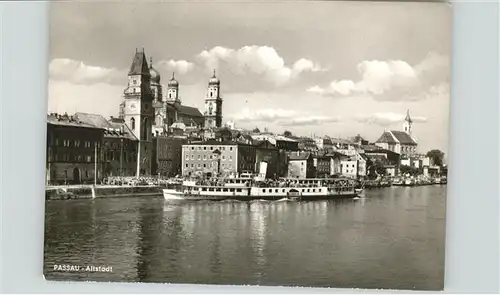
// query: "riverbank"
[[100, 191]]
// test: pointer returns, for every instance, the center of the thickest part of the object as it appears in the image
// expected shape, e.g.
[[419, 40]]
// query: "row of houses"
[[84, 147]]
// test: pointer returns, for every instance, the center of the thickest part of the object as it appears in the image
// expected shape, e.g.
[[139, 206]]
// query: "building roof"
[[190, 111], [363, 156], [119, 130], [264, 144], [381, 151], [301, 156], [217, 142], [94, 120], [403, 137], [335, 154], [139, 64], [113, 128], [370, 147], [387, 137], [377, 158], [340, 141], [66, 120], [186, 110], [395, 136]]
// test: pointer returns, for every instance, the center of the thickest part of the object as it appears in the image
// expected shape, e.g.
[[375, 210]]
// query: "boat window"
[[264, 190], [276, 190], [283, 190], [238, 189], [314, 190]]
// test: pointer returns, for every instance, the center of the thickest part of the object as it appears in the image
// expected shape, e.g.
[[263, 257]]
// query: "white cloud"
[[394, 80], [260, 60], [77, 72], [264, 115], [282, 117], [181, 67], [305, 65], [386, 119], [308, 120]]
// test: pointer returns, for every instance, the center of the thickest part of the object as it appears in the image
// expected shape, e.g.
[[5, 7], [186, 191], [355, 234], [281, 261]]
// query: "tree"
[[436, 156], [287, 133], [256, 130], [404, 169]]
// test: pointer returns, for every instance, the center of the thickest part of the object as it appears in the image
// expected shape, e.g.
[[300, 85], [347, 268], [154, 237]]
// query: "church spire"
[[408, 122], [408, 118]]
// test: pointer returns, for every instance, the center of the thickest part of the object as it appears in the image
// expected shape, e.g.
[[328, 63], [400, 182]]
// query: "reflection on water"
[[391, 238]]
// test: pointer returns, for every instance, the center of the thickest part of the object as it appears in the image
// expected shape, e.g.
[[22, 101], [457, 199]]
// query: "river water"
[[392, 238]]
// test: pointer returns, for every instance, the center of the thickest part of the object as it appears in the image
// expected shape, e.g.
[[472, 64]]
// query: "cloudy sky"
[[323, 68]]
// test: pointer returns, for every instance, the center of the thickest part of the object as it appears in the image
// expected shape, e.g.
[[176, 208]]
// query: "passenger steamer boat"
[[246, 189]]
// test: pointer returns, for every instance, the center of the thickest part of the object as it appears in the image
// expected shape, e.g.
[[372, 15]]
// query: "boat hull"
[[175, 196]]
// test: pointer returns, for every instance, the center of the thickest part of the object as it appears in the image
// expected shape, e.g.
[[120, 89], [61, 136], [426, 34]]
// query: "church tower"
[[160, 110], [213, 104], [138, 111], [173, 91], [156, 88], [407, 124]]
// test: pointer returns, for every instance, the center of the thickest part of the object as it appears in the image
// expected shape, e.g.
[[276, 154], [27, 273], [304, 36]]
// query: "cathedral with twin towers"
[[150, 110]]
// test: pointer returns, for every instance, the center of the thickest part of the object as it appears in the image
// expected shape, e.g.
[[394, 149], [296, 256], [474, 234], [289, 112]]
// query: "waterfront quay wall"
[[89, 192]]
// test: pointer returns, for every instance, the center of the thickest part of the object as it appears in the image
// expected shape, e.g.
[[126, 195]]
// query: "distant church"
[[400, 142], [167, 109]]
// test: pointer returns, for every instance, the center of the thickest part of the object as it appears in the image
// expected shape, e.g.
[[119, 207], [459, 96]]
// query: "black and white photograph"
[[280, 143]]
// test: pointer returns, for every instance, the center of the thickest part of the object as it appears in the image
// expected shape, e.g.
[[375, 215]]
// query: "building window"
[[231, 149], [192, 165], [204, 148], [230, 158], [187, 157], [187, 165], [132, 123], [199, 157], [204, 165], [89, 158], [192, 157], [134, 81], [204, 157], [199, 165], [211, 148]]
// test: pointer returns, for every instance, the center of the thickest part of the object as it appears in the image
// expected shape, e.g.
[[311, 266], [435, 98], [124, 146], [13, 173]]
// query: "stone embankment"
[[89, 192]]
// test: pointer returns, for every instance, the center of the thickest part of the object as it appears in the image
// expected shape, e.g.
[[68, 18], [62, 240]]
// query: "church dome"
[[213, 80], [173, 82], [155, 75]]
